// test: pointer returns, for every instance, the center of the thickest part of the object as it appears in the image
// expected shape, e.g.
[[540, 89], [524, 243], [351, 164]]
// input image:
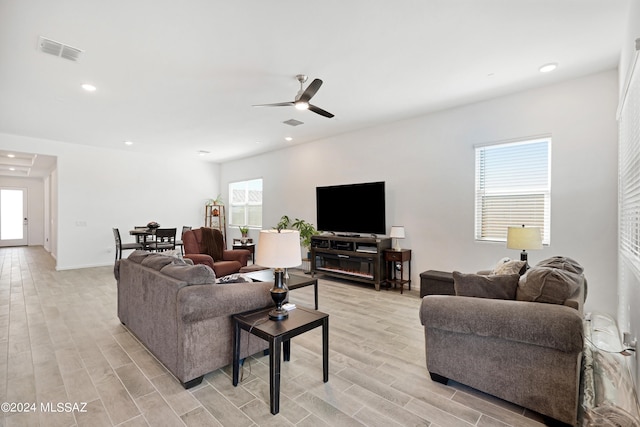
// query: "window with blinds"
[[513, 188], [629, 175], [246, 203]]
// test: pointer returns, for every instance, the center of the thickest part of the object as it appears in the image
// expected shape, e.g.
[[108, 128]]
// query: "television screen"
[[353, 208]]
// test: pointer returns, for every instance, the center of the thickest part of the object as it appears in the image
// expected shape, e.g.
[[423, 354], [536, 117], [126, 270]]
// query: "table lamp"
[[279, 249], [524, 238], [397, 232]]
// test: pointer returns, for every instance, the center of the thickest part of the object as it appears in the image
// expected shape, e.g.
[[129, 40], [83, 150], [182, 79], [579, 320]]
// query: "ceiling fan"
[[301, 101]]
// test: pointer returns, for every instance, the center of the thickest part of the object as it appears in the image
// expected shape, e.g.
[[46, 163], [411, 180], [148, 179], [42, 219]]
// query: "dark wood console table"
[[352, 258]]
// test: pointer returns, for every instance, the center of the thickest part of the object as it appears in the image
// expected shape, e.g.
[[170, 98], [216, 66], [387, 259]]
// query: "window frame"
[[246, 203], [530, 192]]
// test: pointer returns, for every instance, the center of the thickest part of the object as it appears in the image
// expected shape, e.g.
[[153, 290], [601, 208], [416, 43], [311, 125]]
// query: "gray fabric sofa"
[[182, 316], [526, 350]]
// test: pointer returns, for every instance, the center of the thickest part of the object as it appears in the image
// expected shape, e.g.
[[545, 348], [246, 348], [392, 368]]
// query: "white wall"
[[35, 205], [428, 165], [98, 189]]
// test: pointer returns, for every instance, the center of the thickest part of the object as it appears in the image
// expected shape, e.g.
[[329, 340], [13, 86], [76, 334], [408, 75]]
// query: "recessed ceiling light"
[[548, 67], [11, 155], [12, 169], [128, 143], [288, 138], [89, 87]]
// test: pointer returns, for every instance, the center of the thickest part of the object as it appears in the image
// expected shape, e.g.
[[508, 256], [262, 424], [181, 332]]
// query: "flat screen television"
[[352, 208]]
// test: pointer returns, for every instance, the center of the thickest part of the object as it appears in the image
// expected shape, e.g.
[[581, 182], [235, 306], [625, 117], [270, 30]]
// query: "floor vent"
[[61, 50], [293, 122]]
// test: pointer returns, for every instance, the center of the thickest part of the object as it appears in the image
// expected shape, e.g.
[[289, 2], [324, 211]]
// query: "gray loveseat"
[[182, 316], [525, 347]]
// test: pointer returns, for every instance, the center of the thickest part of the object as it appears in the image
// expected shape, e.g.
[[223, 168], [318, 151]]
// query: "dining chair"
[[123, 246], [165, 240], [179, 241]]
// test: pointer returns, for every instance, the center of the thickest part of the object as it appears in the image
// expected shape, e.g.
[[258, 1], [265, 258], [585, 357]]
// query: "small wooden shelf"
[[214, 217]]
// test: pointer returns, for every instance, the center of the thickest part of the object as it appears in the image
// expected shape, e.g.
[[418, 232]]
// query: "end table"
[[251, 247], [279, 335], [391, 257]]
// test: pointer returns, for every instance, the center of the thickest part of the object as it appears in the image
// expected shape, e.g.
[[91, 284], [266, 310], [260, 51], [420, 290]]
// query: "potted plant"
[[244, 231], [307, 230], [216, 201]]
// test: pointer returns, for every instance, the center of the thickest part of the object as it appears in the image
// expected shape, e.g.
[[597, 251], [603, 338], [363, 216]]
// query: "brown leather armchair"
[[220, 259]]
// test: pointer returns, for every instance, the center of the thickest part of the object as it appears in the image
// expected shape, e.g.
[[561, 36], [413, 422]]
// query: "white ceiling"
[[184, 75]]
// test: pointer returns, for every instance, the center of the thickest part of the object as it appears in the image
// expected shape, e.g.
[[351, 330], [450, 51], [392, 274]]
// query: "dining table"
[[142, 235]]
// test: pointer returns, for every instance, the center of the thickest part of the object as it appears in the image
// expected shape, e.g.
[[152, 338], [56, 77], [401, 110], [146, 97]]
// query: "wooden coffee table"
[[294, 281], [279, 334]]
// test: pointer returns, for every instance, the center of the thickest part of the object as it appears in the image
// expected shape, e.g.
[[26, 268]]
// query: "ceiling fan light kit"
[[301, 101]]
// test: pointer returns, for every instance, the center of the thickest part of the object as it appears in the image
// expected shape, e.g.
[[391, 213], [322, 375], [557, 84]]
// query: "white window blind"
[[629, 175], [246, 203], [513, 188]]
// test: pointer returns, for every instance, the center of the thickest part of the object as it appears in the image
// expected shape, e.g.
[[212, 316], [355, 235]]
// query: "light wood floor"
[[61, 342]]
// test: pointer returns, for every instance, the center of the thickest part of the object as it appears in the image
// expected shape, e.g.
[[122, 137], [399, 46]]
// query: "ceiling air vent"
[[61, 50], [293, 122]]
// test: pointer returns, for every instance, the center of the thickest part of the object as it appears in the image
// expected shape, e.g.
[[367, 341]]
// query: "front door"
[[13, 216]]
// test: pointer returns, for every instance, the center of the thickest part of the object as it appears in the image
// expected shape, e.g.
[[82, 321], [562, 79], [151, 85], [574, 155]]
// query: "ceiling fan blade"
[[310, 90], [277, 104], [320, 111]]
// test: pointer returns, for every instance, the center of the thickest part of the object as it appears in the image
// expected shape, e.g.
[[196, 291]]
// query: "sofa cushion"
[[548, 285], [157, 261], [502, 286], [510, 267], [192, 274]]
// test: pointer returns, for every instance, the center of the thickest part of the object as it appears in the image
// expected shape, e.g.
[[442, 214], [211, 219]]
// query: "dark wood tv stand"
[[353, 258]]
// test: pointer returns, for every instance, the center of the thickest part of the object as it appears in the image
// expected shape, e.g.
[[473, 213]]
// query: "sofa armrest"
[[201, 259], [198, 302], [240, 255], [546, 325]]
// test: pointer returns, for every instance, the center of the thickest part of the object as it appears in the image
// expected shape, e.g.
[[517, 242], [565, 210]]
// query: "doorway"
[[13, 217]]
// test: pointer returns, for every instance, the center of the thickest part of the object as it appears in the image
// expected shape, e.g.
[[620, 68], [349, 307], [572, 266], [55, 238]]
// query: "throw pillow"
[[563, 263], [199, 274], [482, 286], [157, 261], [549, 285], [174, 253], [138, 255], [511, 267], [233, 278], [499, 263]]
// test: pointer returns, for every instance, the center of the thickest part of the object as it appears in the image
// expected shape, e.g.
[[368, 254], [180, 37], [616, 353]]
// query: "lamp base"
[[278, 314], [524, 257]]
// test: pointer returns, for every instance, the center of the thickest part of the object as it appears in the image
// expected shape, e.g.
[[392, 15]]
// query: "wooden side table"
[[251, 247], [279, 335], [391, 257]]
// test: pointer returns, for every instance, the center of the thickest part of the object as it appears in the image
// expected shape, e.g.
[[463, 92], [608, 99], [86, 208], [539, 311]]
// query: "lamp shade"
[[397, 232], [279, 249], [524, 238]]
